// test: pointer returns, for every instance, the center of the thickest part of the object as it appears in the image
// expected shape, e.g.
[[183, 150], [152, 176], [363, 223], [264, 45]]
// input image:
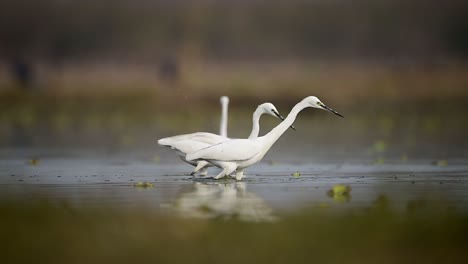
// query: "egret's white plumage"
[[193, 142], [224, 116], [238, 154]]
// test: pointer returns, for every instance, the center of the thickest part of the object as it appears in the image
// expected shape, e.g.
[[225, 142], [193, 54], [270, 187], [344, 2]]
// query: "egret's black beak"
[[282, 118], [330, 110]]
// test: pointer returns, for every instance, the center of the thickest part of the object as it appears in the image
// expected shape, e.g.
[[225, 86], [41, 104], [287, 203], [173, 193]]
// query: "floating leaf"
[[340, 193], [34, 161], [143, 185], [440, 163], [340, 189], [296, 174]]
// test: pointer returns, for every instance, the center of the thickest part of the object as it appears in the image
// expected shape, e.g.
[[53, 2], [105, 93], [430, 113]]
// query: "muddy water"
[[268, 190]]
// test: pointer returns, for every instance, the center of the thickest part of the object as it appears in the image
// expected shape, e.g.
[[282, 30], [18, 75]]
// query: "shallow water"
[[268, 190]]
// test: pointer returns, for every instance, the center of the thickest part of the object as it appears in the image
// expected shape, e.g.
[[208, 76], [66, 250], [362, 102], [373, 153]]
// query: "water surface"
[[269, 189]]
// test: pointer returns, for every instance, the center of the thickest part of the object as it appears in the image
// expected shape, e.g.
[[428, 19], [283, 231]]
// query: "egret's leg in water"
[[239, 174], [200, 165], [228, 168]]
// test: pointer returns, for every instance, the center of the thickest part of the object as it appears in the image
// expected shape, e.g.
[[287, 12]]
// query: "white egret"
[[193, 142], [238, 154]]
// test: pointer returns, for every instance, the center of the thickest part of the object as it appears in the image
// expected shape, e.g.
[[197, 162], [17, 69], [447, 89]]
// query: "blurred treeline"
[[61, 31]]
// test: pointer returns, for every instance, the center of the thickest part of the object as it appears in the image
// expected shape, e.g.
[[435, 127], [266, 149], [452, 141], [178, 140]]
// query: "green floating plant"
[[296, 174], [340, 193], [440, 163], [143, 185]]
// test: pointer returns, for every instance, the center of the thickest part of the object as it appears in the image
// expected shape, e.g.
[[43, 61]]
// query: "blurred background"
[[87, 87], [113, 76]]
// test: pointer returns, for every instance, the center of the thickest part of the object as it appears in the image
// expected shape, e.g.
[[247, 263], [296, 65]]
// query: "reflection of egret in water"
[[222, 200]]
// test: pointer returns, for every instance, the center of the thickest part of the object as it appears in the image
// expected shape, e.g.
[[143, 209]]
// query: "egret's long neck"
[[276, 132], [224, 117], [255, 123]]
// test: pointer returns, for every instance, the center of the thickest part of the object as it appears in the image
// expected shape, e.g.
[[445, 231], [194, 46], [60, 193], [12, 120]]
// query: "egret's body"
[[238, 154], [193, 142]]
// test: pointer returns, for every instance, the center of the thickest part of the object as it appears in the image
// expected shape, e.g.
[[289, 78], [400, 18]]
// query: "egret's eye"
[[318, 103]]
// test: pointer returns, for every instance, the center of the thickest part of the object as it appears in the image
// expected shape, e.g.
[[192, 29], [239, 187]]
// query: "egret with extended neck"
[[193, 142], [238, 154]]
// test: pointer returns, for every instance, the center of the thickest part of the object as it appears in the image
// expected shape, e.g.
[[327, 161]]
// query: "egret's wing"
[[209, 138], [204, 137], [189, 146], [231, 150]]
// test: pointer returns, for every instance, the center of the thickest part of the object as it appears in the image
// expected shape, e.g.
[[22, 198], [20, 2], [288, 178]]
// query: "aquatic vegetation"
[[144, 185], [440, 163], [340, 189], [34, 162], [379, 146], [296, 174], [340, 193], [341, 198]]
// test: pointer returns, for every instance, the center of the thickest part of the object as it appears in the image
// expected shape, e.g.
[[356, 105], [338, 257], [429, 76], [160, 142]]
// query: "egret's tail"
[[170, 141], [165, 142]]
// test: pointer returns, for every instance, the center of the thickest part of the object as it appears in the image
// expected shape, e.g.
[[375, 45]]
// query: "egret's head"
[[269, 108], [316, 103], [224, 100]]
